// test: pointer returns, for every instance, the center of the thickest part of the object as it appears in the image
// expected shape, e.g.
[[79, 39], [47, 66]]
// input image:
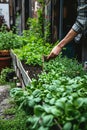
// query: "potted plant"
[[8, 40]]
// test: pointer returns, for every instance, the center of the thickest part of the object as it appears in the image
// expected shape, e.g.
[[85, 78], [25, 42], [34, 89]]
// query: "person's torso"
[[82, 5], [82, 9]]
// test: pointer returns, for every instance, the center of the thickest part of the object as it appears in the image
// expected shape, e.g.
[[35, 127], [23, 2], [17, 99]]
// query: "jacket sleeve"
[[78, 26]]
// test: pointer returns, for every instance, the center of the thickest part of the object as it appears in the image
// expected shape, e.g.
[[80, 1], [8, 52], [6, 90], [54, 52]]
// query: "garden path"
[[4, 101]]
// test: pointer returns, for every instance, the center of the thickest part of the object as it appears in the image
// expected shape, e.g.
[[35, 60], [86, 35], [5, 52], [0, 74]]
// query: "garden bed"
[[50, 100], [24, 71], [33, 71], [21, 73]]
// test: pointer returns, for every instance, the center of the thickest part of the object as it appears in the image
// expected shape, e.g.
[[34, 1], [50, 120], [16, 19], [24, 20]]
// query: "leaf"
[[81, 102], [82, 119], [47, 108], [49, 95], [67, 126], [55, 111], [36, 93], [47, 120], [33, 122], [37, 100], [31, 103], [38, 110], [59, 104], [52, 101]]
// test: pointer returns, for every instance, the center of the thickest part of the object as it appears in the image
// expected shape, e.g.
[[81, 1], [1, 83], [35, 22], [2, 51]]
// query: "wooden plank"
[[24, 74], [20, 71], [13, 56]]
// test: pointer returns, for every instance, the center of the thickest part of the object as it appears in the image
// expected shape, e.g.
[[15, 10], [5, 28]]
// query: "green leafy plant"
[[33, 51], [3, 75], [34, 29], [35, 46], [57, 98], [63, 102], [9, 40]]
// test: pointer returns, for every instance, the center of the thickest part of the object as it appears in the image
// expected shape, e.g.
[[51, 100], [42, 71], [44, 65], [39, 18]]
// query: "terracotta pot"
[[4, 53], [5, 62]]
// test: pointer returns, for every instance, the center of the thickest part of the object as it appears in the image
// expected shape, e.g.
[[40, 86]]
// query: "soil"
[[33, 71]]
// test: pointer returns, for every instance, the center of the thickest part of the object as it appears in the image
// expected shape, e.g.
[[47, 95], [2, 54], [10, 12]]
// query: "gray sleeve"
[[77, 27]]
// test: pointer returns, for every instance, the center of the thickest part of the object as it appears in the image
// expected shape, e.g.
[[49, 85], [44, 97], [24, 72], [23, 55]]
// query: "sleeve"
[[78, 26]]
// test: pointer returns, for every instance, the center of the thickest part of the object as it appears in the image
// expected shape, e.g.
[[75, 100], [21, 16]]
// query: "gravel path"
[[4, 100]]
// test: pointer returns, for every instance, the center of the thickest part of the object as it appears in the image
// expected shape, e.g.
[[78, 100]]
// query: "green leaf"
[[49, 95], [16, 92], [80, 101], [55, 111], [47, 120], [52, 101], [31, 103], [82, 119], [36, 93], [67, 126], [38, 110], [37, 100], [33, 122], [59, 104]]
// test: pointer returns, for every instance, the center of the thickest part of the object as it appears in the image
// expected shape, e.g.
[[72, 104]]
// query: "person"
[[79, 26]]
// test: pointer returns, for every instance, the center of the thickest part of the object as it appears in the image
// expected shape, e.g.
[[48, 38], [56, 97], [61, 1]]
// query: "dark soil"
[[32, 70]]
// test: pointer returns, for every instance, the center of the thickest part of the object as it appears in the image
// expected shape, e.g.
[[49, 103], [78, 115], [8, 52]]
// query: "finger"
[[51, 55]]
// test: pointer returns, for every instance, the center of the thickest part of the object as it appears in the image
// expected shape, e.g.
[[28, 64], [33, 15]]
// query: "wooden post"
[[23, 14], [61, 20], [30, 8]]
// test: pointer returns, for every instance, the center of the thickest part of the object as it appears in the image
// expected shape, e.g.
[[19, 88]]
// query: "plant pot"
[[4, 53], [5, 62]]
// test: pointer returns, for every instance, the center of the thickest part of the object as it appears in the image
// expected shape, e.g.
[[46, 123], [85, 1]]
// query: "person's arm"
[[57, 49]]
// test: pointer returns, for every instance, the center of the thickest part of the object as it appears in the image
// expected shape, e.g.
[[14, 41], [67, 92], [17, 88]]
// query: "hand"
[[54, 53]]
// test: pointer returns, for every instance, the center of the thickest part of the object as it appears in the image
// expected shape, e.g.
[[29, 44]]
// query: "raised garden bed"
[[21, 73], [56, 92], [32, 71]]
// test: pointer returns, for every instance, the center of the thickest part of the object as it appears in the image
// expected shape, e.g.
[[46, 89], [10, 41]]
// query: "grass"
[[17, 119]]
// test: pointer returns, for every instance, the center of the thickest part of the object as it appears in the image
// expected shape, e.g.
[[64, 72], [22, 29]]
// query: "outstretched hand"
[[54, 53], [57, 49]]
